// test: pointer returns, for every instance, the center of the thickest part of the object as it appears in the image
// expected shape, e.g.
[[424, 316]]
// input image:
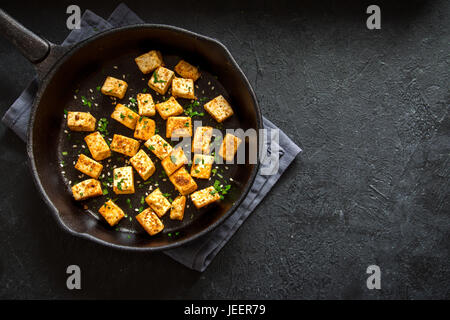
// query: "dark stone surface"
[[370, 109]]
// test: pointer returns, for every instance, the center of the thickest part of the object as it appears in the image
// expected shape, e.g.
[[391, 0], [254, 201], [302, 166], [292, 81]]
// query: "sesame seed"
[[115, 67], [91, 90]]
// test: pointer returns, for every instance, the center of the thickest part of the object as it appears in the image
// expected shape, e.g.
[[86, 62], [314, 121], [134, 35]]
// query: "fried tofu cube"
[[160, 147], [177, 211], [229, 147], [125, 116], [175, 161], [179, 127], [124, 145], [123, 180], [89, 166], [111, 212], [87, 189], [146, 106], [204, 197], [158, 202], [97, 146], [219, 108], [149, 61], [186, 70], [143, 164], [169, 108], [114, 87], [183, 88], [161, 80], [183, 181], [150, 222], [202, 140], [145, 128], [201, 166], [80, 121]]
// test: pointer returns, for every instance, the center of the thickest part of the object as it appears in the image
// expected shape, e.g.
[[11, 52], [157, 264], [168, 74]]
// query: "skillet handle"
[[34, 48]]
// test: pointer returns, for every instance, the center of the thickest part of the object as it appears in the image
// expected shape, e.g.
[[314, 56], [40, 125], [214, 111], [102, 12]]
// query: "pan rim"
[[42, 88]]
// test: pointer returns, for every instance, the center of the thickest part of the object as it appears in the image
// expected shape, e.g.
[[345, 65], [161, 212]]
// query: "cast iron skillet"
[[67, 74]]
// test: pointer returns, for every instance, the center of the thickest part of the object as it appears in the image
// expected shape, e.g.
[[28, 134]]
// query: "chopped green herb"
[[151, 147], [102, 126], [105, 191], [98, 88], [122, 116], [64, 153], [142, 200], [144, 90], [155, 78], [86, 102], [129, 202]]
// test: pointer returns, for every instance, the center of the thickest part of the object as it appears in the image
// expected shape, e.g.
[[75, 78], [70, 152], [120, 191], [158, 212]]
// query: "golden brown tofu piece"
[[123, 180], [183, 182], [179, 127], [150, 222], [145, 128], [161, 80], [124, 145], [169, 108], [88, 166], [111, 212], [146, 106], [125, 116], [114, 87], [201, 166], [97, 146], [160, 147], [143, 164], [202, 140], [183, 88], [177, 211], [80, 121], [158, 202], [219, 108], [204, 197], [186, 70], [229, 147], [149, 61], [87, 189], [175, 161]]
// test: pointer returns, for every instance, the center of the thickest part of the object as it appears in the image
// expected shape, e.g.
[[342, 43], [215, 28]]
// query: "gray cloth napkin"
[[196, 255]]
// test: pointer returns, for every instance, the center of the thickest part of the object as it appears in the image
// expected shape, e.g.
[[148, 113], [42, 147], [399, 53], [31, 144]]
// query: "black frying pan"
[[67, 74]]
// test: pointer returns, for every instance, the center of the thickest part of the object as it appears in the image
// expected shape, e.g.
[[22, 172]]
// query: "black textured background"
[[370, 109]]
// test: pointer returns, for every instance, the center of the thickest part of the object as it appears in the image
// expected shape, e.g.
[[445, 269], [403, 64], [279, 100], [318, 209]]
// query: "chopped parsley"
[[151, 147], [98, 88]]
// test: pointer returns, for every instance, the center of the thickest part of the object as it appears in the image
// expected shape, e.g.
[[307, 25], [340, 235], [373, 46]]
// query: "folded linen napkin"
[[196, 255]]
